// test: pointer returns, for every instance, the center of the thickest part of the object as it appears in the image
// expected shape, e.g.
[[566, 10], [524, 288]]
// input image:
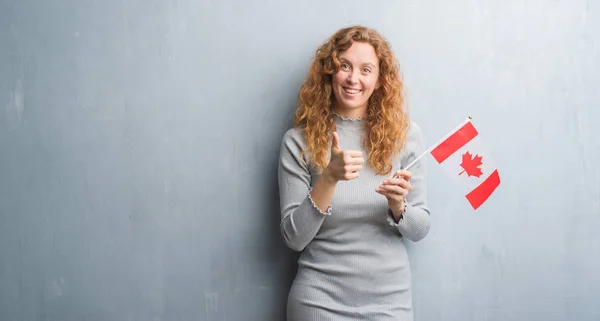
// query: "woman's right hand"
[[344, 164]]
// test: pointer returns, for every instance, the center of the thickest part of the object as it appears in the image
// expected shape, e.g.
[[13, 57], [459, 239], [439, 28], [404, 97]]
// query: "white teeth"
[[351, 91]]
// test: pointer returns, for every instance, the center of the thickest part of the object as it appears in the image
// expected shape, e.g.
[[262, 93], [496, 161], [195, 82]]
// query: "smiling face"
[[356, 80]]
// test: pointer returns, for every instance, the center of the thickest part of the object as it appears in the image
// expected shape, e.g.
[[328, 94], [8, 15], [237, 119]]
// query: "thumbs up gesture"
[[344, 164]]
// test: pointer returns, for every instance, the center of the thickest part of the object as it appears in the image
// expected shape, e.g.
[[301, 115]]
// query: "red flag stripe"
[[481, 193], [454, 142]]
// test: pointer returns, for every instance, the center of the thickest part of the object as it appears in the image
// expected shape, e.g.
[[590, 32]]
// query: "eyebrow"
[[364, 64]]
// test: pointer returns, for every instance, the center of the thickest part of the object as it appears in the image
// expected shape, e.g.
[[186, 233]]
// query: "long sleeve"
[[415, 222], [301, 219]]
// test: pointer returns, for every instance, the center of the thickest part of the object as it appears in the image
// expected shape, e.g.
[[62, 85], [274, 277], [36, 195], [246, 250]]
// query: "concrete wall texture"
[[139, 143]]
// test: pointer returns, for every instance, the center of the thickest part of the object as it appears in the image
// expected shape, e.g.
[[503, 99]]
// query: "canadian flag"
[[464, 155]]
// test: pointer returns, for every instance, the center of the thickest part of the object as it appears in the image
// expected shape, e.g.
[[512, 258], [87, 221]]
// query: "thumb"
[[335, 143]]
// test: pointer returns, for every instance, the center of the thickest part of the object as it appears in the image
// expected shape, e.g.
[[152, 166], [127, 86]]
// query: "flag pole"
[[436, 144]]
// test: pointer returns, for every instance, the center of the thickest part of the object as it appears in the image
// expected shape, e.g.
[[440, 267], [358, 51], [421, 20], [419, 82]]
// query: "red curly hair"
[[386, 122]]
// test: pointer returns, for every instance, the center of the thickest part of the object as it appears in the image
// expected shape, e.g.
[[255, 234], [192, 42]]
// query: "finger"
[[353, 175], [398, 181], [353, 153], [355, 160], [384, 193], [390, 195], [335, 144], [395, 189], [403, 174], [352, 168], [348, 158]]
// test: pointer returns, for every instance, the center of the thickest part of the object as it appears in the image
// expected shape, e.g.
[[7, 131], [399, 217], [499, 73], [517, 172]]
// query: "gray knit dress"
[[353, 264]]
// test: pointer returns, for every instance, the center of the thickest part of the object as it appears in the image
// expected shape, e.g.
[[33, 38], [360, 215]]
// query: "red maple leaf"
[[471, 164]]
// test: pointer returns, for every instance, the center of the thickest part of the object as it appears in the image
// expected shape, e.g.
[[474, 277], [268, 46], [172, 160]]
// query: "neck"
[[348, 123], [358, 112]]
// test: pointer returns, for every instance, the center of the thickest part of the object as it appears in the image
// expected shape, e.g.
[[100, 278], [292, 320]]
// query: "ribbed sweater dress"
[[353, 263]]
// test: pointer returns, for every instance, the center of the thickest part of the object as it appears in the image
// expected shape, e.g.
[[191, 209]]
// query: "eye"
[[345, 66], [367, 70]]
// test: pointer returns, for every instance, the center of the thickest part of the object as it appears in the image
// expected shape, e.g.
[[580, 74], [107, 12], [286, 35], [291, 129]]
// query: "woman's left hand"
[[396, 189]]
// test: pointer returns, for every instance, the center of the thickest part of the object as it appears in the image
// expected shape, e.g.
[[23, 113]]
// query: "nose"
[[352, 77]]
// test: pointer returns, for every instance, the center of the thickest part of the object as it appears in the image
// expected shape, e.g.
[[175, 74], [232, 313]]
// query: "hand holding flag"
[[395, 190]]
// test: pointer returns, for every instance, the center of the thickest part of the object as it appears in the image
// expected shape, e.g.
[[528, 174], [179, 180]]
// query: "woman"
[[345, 201]]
